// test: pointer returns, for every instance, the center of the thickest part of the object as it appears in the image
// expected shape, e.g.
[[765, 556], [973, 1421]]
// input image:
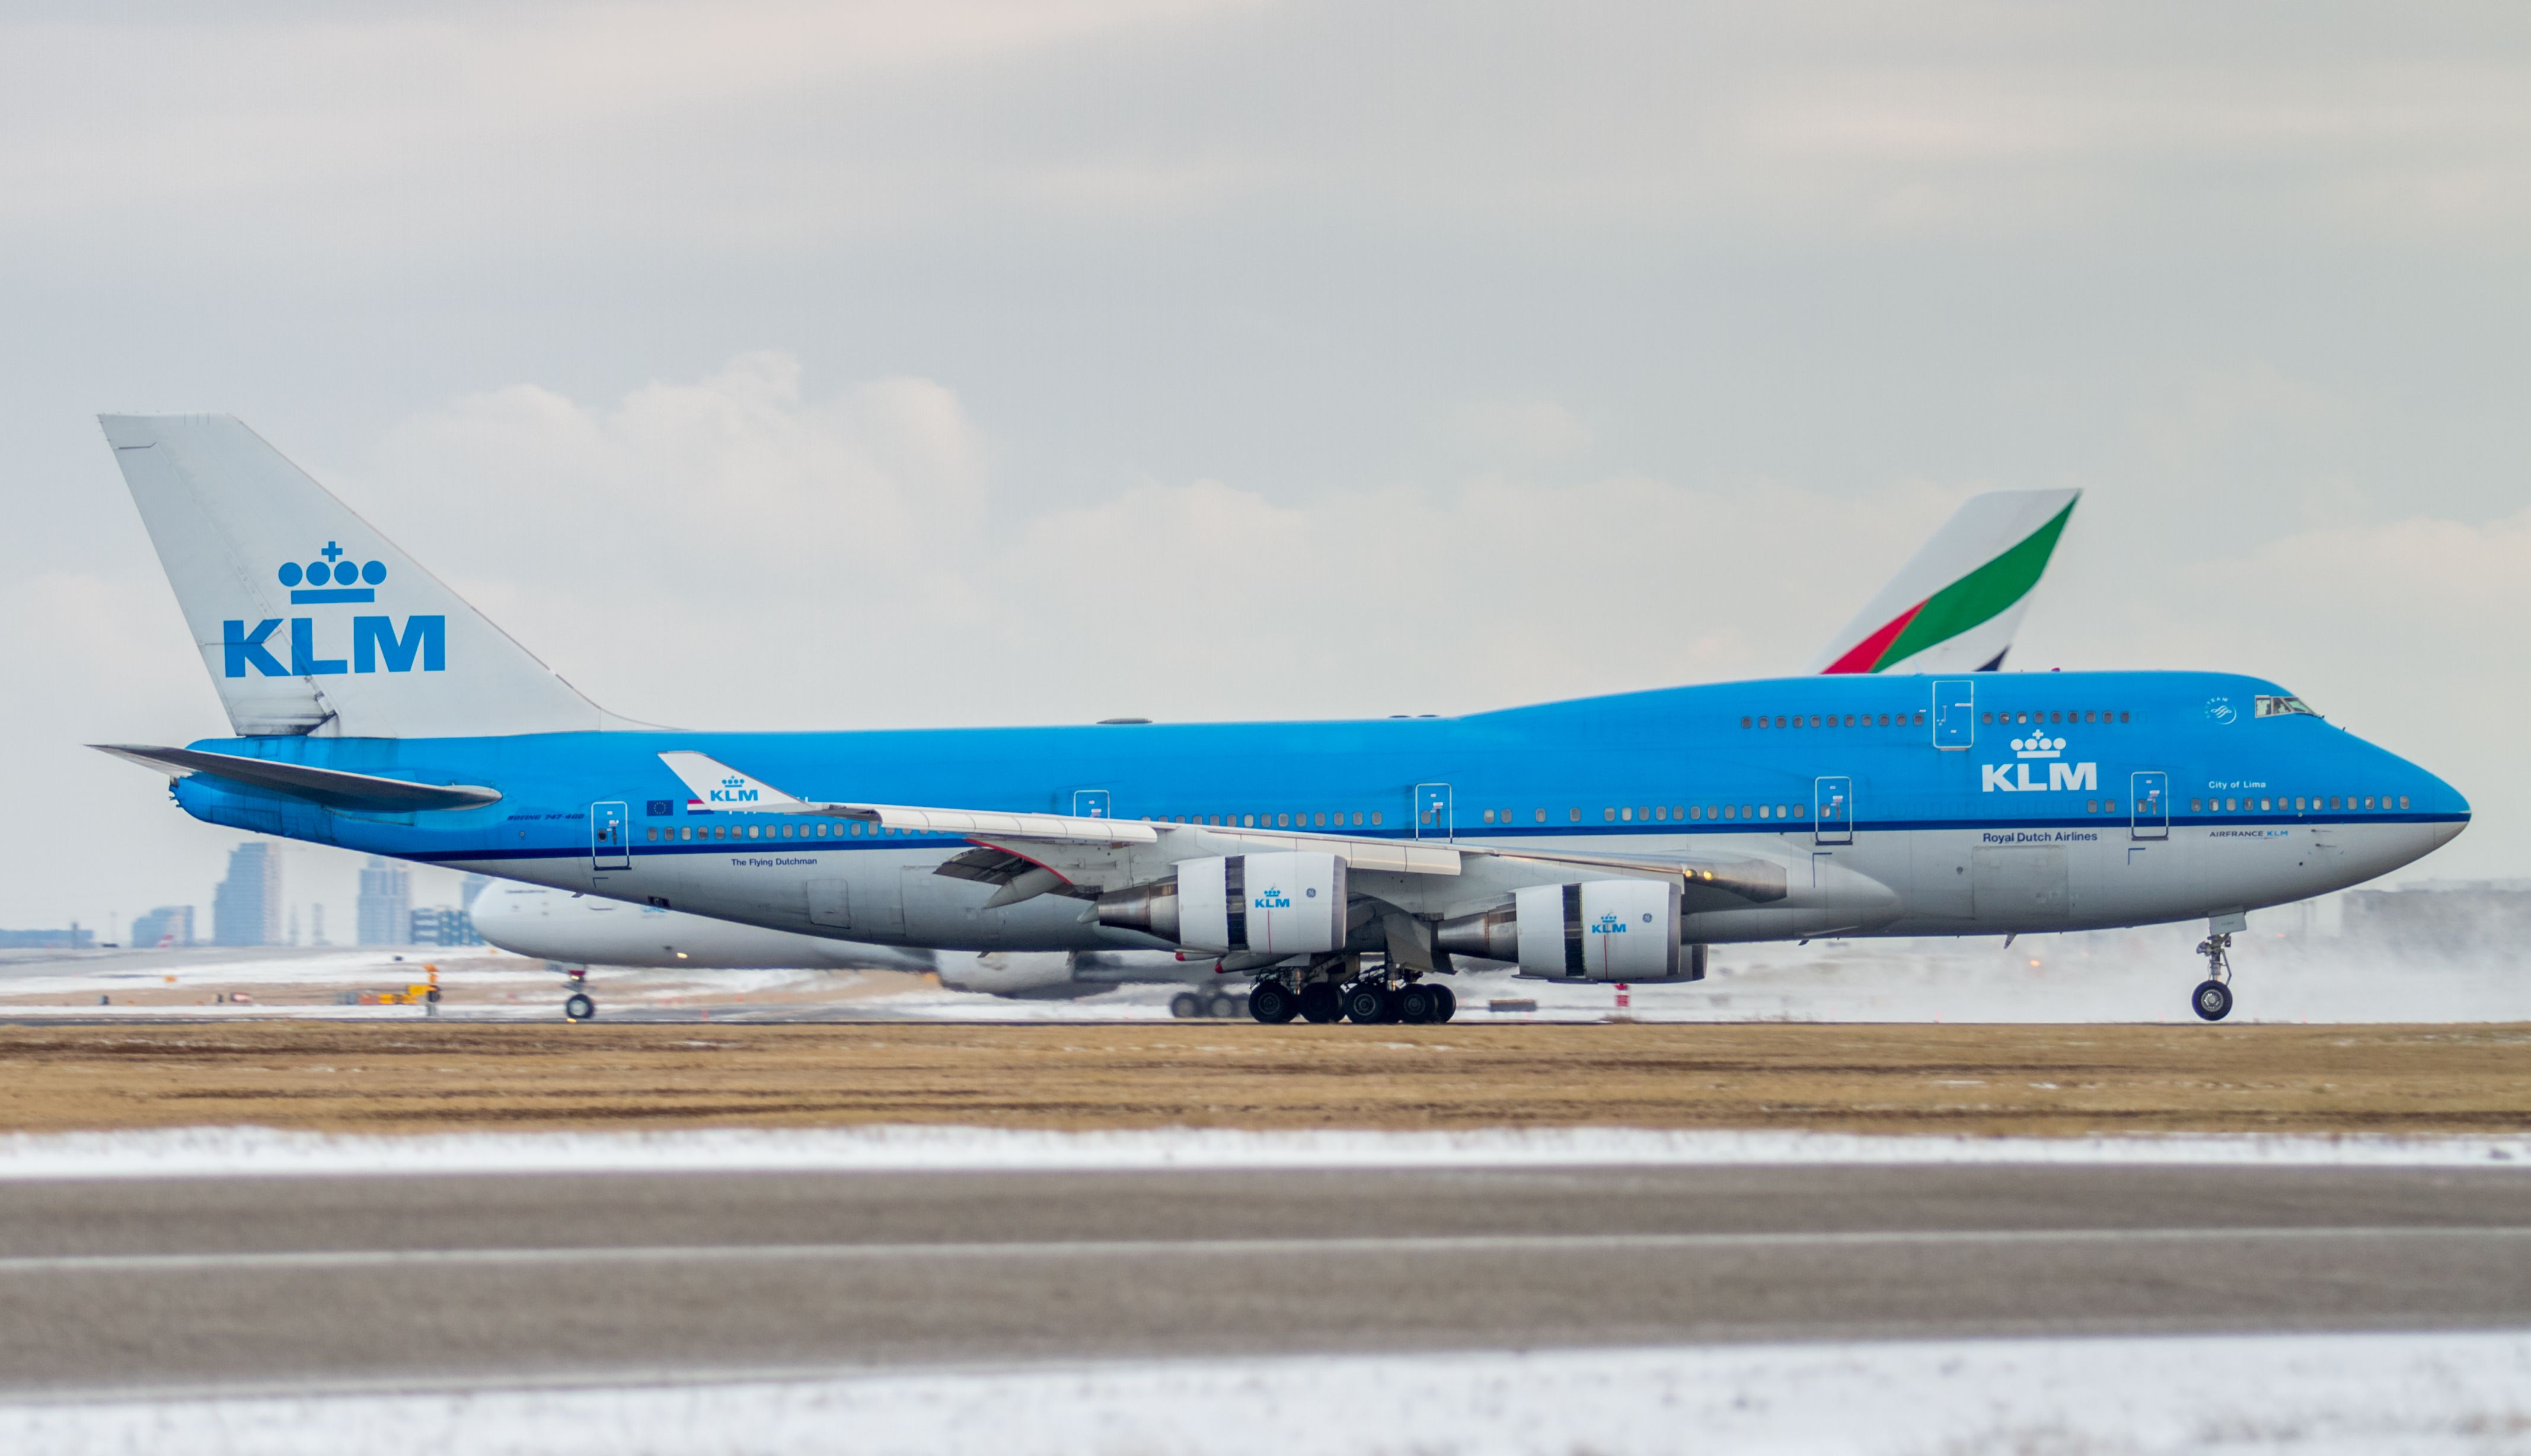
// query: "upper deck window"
[[2278, 706]]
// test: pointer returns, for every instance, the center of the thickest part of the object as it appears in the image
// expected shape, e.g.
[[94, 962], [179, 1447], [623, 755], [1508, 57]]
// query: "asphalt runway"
[[166, 1286]]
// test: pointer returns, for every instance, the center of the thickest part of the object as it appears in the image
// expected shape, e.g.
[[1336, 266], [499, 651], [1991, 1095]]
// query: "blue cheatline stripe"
[[1802, 830]]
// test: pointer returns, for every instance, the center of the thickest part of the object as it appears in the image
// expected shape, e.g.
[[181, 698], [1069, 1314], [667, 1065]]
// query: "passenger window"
[[1744, 720], [1357, 818], [1490, 817], [1801, 812], [1283, 821], [2122, 717], [2267, 806], [2090, 805], [1574, 814], [1696, 810], [1728, 813], [1761, 811], [1607, 815], [1660, 812], [652, 834], [1779, 720], [1989, 718], [2113, 805], [1920, 717], [1375, 817], [2403, 800], [1678, 811], [1642, 814]]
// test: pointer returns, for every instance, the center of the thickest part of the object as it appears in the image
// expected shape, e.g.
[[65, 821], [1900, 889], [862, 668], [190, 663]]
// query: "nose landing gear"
[[580, 1006], [2213, 999]]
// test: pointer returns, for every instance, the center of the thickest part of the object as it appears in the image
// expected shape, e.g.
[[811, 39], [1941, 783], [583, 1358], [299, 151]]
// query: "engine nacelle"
[[1284, 904], [1600, 929]]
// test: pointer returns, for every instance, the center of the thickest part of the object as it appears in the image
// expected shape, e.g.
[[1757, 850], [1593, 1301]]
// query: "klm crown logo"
[[733, 790], [2014, 778], [332, 578]]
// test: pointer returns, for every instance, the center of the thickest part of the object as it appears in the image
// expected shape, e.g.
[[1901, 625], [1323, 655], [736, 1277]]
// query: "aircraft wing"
[[1031, 854]]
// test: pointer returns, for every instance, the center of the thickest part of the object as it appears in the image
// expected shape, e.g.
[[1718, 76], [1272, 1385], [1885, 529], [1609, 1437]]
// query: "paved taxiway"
[[170, 1284]]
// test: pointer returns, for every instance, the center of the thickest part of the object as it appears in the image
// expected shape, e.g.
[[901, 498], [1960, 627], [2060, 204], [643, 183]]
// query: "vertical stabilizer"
[[1957, 602], [308, 620]]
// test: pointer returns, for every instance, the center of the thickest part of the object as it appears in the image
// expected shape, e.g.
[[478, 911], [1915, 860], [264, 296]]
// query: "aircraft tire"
[[2213, 1000], [1321, 1003], [1186, 1004], [1417, 1005], [1365, 1005], [1221, 1005], [1448, 1000], [1272, 1004], [578, 1007]]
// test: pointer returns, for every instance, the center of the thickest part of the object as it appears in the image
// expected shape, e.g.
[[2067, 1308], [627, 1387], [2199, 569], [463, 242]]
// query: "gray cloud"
[[886, 327]]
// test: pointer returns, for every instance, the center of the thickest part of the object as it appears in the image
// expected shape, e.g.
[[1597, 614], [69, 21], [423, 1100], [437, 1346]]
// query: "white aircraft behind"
[[1952, 608]]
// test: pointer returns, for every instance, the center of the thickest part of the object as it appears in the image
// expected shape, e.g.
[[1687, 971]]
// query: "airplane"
[[1343, 866], [1953, 607]]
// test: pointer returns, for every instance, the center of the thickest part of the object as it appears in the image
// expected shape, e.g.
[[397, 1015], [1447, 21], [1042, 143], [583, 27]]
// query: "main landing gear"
[[2213, 999], [580, 1006]]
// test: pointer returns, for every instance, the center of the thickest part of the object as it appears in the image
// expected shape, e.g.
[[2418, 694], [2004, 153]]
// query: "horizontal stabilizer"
[[331, 787]]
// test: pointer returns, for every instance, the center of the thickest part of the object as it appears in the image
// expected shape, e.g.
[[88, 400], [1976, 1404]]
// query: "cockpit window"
[[2277, 706]]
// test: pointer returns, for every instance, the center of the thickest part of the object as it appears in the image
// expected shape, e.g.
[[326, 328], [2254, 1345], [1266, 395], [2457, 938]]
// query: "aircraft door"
[[1090, 804], [610, 845], [2149, 809], [1954, 714], [1432, 811], [1833, 810]]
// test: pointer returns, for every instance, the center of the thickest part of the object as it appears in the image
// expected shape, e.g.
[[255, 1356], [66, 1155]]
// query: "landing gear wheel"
[[1366, 1004], [1186, 1004], [1449, 1002], [1321, 1003], [1272, 1004], [1417, 1005], [1221, 1005], [2213, 1000], [578, 1007]]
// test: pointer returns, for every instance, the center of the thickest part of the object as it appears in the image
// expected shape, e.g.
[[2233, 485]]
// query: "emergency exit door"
[[610, 829], [1833, 810], [2149, 814], [1432, 811]]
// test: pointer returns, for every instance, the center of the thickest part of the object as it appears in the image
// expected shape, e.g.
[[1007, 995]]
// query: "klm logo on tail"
[[2014, 778], [333, 581]]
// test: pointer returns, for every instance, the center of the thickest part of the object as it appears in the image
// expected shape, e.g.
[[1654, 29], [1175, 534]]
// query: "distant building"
[[246, 910], [2444, 917], [71, 938], [444, 924], [171, 924], [385, 911]]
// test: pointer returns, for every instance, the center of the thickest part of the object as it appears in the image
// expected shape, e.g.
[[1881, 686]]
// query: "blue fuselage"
[[2012, 803]]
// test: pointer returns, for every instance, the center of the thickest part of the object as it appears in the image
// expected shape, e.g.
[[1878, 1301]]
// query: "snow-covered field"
[[2109, 975], [206, 1151], [2468, 1394]]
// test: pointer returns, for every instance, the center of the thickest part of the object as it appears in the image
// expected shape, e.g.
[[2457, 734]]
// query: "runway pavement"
[[165, 1285]]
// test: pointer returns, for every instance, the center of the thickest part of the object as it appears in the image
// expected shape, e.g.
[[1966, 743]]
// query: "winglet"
[[716, 785]]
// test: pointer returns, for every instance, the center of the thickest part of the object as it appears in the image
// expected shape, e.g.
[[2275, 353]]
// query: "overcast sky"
[[829, 366]]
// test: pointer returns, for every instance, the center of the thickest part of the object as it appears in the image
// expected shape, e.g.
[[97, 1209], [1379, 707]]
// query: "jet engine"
[[1600, 930], [1282, 904]]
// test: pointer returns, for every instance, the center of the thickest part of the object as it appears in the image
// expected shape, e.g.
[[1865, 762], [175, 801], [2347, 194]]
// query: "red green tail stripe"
[[1976, 597], [1865, 655]]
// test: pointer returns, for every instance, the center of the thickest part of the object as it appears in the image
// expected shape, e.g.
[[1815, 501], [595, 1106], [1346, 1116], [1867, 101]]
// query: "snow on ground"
[[247, 1151], [2468, 1394], [2107, 976]]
